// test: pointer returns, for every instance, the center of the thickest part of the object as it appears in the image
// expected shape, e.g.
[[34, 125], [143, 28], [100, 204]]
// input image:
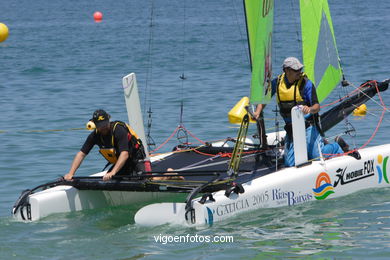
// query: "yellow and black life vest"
[[287, 98], [109, 152]]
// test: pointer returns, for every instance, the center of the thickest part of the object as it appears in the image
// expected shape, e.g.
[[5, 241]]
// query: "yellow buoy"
[[91, 125], [3, 32], [237, 113], [360, 111]]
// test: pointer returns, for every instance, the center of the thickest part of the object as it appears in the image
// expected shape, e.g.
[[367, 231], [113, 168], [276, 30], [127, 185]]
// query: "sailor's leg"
[[343, 145], [289, 159], [313, 138], [261, 131], [331, 149], [327, 150]]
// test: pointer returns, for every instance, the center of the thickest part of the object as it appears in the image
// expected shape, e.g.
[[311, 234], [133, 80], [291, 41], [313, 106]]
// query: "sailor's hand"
[[108, 176], [68, 177], [306, 110]]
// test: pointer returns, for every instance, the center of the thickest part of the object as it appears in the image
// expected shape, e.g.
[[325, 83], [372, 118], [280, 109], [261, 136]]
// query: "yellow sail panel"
[[320, 55], [259, 20]]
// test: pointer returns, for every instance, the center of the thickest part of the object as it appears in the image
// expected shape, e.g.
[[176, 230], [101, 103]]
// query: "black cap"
[[100, 118]]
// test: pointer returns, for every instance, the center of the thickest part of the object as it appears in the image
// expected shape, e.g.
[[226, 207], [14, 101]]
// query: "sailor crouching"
[[118, 144]]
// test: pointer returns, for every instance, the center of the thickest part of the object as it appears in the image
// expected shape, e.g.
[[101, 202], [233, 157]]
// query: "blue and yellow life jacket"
[[287, 98]]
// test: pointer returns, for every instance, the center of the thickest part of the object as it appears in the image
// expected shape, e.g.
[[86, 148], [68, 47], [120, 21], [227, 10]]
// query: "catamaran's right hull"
[[288, 187]]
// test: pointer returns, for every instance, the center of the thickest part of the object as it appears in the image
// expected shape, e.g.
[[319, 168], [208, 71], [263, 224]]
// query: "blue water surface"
[[58, 65]]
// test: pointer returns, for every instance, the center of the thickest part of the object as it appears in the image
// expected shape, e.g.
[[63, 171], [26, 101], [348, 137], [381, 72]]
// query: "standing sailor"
[[294, 88], [118, 144]]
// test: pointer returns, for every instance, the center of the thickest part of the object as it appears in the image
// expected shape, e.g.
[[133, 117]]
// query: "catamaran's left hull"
[[288, 187], [62, 199]]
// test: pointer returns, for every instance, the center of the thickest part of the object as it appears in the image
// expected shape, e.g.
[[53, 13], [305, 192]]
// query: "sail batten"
[[259, 22], [320, 54]]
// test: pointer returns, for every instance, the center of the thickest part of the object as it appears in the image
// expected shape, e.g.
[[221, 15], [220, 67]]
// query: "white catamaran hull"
[[288, 187], [64, 199]]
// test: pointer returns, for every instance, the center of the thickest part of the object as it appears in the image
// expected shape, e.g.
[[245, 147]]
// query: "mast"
[[247, 35]]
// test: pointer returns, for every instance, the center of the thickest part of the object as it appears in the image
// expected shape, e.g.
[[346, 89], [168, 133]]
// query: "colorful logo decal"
[[323, 186], [382, 174]]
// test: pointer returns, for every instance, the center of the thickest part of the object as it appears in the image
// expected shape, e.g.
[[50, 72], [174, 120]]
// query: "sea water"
[[58, 66]]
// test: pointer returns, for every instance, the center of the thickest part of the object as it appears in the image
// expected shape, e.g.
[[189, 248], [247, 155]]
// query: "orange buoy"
[[98, 16]]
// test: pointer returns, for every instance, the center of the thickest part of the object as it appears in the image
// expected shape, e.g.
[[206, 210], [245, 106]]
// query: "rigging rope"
[[244, 46], [350, 93], [41, 131], [349, 127], [375, 131], [166, 141], [181, 134], [182, 76], [203, 143], [294, 18], [179, 127], [148, 91], [373, 100]]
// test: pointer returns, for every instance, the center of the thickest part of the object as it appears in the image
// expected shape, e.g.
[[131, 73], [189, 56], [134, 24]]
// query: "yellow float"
[[3, 32], [360, 111], [237, 113]]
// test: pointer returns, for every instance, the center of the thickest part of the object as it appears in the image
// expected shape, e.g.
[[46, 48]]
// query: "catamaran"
[[220, 180]]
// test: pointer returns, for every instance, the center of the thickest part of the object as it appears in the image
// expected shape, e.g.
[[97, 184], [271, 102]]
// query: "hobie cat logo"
[[382, 171], [323, 186]]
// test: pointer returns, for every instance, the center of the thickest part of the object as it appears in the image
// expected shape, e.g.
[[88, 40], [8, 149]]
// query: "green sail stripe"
[[319, 46], [327, 80], [252, 11], [259, 18]]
